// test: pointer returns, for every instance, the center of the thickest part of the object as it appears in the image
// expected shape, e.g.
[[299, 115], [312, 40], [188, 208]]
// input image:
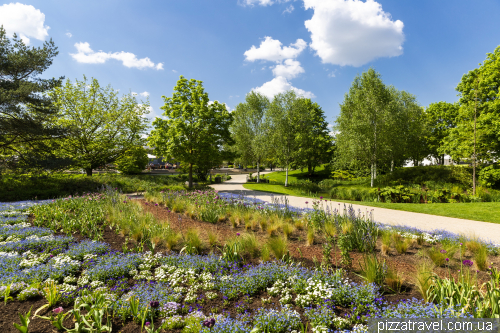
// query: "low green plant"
[[232, 251], [423, 279], [51, 293], [278, 246], [212, 238], [6, 295], [481, 257], [310, 237], [373, 270], [394, 280], [265, 255], [25, 321], [288, 229], [192, 242], [250, 245], [438, 256]]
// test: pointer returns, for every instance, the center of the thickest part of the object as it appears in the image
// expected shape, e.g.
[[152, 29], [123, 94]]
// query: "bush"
[[134, 161], [490, 176]]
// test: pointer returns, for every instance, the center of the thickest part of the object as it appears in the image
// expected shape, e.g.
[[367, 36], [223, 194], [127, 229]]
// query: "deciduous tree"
[[194, 131], [103, 126]]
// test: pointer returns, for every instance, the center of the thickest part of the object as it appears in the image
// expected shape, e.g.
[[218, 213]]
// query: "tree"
[[25, 108], [102, 125], [362, 124], [440, 118], [477, 132], [133, 161], [281, 128], [314, 142], [249, 131], [406, 128], [194, 131]]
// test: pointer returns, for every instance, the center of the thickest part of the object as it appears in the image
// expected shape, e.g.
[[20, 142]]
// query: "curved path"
[[486, 231]]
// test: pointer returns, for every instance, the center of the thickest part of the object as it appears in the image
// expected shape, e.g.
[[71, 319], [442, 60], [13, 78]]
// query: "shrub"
[[490, 176], [133, 161]]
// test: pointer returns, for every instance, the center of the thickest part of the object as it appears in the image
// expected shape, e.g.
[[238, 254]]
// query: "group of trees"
[[48, 125], [380, 127], [287, 131]]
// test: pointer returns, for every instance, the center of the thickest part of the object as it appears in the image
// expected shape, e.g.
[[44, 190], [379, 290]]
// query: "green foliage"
[[373, 270], [25, 321], [28, 187], [26, 110], [249, 129], [440, 118], [194, 131], [490, 176], [102, 125], [479, 95], [377, 126], [133, 161]]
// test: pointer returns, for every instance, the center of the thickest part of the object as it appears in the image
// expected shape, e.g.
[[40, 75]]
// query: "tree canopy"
[[248, 129], [102, 125], [25, 108], [479, 92], [194, 130]]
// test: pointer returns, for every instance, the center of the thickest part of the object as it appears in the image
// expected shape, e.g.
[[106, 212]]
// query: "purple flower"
[[58, 310], [307, 202], [447, 259], [320, 198], [467, 263], [237, 234], [154, 304], [209, 322], [147, 323], [443, 251]]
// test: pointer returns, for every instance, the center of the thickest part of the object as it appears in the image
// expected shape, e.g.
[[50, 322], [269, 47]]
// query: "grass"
[[25, 187], [478, 211]]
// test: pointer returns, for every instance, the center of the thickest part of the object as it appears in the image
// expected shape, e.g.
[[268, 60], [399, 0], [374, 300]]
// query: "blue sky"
[[314, 46]]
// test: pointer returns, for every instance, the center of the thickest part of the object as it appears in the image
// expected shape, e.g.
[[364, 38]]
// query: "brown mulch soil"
[[305, 255]]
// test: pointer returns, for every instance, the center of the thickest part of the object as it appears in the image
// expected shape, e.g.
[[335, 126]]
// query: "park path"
[[486, 231]]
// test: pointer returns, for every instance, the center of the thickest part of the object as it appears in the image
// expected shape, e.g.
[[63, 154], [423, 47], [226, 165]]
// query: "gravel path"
[[486, 231]]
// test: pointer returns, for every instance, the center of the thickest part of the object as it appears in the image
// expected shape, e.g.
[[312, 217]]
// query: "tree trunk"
[[190, 175], [309, 169], [258, 172], [371, 175], [89, 172], [442, 159], [286, 176], [392, 166]]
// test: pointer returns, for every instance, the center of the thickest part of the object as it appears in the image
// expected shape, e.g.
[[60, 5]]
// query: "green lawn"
[[482, 211], [24, 187], [295, 175]]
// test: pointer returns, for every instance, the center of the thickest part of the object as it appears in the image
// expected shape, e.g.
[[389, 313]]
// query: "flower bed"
[[189, 292]]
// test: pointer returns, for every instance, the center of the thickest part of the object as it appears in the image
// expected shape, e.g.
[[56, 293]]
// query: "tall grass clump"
[[278, 246]]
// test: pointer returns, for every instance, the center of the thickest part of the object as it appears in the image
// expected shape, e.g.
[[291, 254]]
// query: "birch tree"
[[249, 131], [362, 124]]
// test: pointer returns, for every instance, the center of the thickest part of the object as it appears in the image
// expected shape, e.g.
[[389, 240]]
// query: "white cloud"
[[261, 2], [24, 20], [88, 56], [69, 34], [173, 70], [289, 69], [279, 85], [289, 9], [271, 50], [353, 32], [143, 94]]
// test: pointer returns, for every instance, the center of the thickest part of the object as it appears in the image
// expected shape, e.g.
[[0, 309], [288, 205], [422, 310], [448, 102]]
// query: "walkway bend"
[[486, 231]]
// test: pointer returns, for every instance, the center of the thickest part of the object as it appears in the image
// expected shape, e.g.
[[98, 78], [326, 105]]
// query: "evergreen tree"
[[25, 109]]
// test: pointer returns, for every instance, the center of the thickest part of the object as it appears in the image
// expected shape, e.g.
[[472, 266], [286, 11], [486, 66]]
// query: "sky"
[[315, 47]]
